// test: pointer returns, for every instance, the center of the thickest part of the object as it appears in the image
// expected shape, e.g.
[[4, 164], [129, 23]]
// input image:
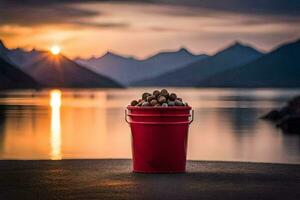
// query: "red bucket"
[[159, 138]]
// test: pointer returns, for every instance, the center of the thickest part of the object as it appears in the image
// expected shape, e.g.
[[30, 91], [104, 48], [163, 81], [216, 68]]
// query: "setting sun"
[[55, 50]]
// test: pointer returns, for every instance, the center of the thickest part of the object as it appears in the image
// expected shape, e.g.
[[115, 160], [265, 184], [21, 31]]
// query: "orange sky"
[[140, 30]]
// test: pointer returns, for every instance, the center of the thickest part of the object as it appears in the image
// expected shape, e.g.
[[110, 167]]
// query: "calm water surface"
[[90, 124]]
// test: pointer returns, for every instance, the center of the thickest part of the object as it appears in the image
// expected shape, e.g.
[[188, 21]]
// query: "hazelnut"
[[164, 93], [156, 93], [145, 95], [140, 103], [172, 96], [171, 103], [159, 98], [146, 104], [162, 99], [149, 98], [153, 102], [178, 103], [134, 103]]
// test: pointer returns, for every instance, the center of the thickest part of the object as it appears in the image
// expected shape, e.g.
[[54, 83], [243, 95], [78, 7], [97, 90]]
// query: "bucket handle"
[[126, 115], [192, 117], [190, 121]]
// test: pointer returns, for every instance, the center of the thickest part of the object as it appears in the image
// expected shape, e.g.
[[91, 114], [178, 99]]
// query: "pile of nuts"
[[159, 98]]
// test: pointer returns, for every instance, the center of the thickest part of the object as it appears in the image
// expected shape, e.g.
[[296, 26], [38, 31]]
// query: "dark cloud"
[[273, 7], [262, 7], [28, 14], [278, 10], [102, 25], [31, 13], [36, 12]]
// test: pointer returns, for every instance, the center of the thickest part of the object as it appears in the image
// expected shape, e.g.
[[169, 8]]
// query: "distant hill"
[[54, 71], [13, 78], [114, 66], [19, 57], [279, 68], [129, 70], [168, 61], [59, 71], [22, 58], [4, 52], [188, 76]]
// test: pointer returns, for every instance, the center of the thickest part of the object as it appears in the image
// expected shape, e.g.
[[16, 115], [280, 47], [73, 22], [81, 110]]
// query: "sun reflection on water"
[[55, 103]]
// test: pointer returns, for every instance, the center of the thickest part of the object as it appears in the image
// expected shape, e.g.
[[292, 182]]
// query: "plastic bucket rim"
[[159, 108], [159, 123], [158, 115], [187, 108]]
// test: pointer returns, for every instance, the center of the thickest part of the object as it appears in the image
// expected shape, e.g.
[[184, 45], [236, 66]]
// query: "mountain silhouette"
[[11, 77], [114, 66], [59, 71], [238, 65], [54, 71], [231, 57], [279, 68], [3, 52], [18, 56], [22, 58], [129, 70], [168, 61]]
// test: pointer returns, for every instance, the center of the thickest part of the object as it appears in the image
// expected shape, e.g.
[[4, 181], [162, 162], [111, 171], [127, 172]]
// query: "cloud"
[[265, 7], [261, 7], [30, 15], [34, 13], [102, 24]]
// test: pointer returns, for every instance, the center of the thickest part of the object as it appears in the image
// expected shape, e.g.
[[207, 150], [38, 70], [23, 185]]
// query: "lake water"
[[90, 124]]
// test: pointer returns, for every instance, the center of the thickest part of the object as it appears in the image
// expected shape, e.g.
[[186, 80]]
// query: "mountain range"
[[129, 70], [237, 65], [54, 70], [279, 68], [231, 57], [59, 71]]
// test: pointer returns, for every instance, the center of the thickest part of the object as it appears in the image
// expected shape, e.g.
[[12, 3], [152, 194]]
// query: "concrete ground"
[[112, 179]]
